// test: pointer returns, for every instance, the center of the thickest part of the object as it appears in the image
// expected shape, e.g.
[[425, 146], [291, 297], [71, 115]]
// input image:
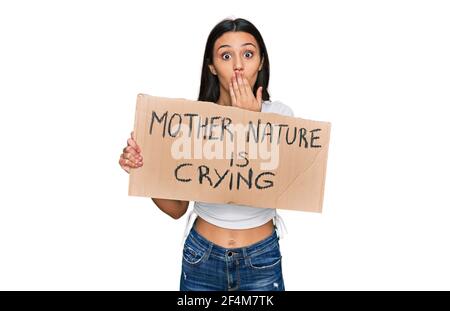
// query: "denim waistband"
[[219, 251]]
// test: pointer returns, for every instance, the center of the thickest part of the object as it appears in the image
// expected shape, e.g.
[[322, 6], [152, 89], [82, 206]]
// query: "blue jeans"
[[208, 266]]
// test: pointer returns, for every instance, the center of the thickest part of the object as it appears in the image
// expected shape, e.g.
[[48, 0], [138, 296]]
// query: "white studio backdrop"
[[70, 71]]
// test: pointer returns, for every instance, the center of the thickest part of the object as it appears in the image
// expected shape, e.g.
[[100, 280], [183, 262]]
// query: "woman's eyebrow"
[[226, 45]]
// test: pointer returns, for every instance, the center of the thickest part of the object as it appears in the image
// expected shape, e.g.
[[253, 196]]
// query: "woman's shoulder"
[[277, 106]]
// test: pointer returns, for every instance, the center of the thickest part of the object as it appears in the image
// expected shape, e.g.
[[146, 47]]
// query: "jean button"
[[230, 254]]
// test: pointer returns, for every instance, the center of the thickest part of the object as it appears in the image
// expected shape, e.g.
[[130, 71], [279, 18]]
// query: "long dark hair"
[[209, 87]]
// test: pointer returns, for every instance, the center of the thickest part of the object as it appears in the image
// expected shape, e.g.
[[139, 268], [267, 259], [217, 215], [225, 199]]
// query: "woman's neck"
[[224, 98]]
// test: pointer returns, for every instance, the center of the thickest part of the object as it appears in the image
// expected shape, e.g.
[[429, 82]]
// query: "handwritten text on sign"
[[202, 151]]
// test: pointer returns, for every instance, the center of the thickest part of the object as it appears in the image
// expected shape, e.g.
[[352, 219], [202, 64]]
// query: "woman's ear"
[[212, 69]]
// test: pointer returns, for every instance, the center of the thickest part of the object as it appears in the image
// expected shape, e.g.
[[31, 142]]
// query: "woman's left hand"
[[242, 95]]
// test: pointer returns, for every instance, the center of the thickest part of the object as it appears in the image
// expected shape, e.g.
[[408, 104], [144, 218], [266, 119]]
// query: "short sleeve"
[[288, 111], [281, 108]]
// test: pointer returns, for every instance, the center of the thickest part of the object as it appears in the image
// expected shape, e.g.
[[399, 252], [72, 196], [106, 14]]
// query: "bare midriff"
[[232, 238]]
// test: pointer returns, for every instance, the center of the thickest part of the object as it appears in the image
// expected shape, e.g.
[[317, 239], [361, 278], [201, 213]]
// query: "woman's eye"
[[227, 56], [224, 56]]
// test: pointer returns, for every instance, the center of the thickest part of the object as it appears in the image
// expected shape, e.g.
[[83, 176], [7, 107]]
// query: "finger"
[[259, 97], [133, 136], [131, 142], [232, 95], [248, 89], [129, 160], [123, 165], [125, 168], [242, 85], [237, 93], [133, 151], [133, 159]]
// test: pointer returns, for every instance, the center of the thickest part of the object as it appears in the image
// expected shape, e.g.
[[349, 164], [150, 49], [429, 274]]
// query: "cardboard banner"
[[202, 151]]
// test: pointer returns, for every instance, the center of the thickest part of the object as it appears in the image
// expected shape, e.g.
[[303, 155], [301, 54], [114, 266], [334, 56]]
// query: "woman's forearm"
[[173, 208]]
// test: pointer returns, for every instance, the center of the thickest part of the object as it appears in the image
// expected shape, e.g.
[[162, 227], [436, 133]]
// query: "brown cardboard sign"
[[201, 151]]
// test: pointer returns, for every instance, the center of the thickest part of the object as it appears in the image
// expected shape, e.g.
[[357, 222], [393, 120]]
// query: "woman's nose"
[[238, 66]]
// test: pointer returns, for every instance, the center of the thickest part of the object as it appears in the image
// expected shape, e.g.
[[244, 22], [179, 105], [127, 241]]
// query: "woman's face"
[[233, 52]]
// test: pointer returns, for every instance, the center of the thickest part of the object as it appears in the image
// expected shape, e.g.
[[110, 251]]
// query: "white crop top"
[[234, 216]]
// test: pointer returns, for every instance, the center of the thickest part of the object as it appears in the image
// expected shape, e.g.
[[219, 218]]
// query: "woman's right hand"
[[131, 155]]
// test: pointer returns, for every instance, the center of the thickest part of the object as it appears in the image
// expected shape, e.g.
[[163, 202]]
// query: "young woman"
[[229, 247]]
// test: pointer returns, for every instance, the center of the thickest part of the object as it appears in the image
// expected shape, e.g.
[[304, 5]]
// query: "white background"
[[70, 71]]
